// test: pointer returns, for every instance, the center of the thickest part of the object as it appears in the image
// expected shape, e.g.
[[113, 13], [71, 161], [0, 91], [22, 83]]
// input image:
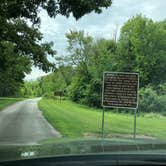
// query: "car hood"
[[65, 147]]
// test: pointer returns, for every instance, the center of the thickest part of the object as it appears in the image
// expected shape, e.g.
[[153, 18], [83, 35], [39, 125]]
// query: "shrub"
[[161, 89], [149, 101], [88, 93], [76, 89], [162, 104], [49, 95], [93, 93]]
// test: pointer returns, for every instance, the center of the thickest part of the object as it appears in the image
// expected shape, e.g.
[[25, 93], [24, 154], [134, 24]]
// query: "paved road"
[[23, 123]]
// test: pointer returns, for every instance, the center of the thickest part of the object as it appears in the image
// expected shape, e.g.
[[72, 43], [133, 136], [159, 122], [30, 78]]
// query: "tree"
[[89, 59], [30, 9], [11, 10], [65, 68], [12, 69], [101, 59], [142, 49], [30, 89], [79, 47], [20, 49], [26, 42], [25, 38], [56, 81]]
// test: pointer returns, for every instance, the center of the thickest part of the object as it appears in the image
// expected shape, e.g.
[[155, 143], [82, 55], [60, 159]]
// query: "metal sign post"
[[103, 123], [135, 111], [120, 90], [135, 116]]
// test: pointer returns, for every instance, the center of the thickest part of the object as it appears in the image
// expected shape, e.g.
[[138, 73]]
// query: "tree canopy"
[[30, 9], [142, 49], [20, 35]]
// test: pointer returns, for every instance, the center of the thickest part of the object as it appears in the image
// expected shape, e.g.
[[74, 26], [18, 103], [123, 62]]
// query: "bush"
[[76, 89], [93, 93], [49, 95], [162, 104], [88, 93], [149, 101], [161, 89]]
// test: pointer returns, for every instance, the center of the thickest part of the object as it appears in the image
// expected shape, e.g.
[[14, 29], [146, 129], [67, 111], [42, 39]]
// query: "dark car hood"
[[64, 147]]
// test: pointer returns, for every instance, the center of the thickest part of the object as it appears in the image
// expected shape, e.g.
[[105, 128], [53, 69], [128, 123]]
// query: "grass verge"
[[4, 102], [73, 120]]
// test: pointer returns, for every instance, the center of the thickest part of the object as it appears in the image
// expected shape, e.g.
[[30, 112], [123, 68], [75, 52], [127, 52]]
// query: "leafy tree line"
[[21, 43], [141, 48]]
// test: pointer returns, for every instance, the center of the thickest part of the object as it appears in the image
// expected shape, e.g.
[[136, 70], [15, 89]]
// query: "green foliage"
[[101, 58], [30, 89], [142, 49], [79, 7], [47, 85], [92, 93], [26, 42], [12, 69], [79, 46], [30, 9], [20, 48], [151, 102], [161, 89], [56, 81], [49, 95], [77, 88], [90, 60], [25, 38], [162, 105]]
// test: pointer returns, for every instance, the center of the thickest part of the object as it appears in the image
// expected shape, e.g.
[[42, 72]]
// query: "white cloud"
[[101, 25]]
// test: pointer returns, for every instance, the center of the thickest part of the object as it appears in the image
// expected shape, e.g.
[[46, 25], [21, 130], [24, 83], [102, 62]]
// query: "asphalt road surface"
[[23, 123]]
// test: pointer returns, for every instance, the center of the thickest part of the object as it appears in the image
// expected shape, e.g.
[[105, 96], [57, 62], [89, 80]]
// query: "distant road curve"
[[23, 123]]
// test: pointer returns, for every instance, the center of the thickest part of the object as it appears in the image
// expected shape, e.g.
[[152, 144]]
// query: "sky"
[[97, 25]]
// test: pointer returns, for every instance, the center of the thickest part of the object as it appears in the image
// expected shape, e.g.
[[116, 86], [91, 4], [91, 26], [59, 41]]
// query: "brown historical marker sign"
[[120, 90]]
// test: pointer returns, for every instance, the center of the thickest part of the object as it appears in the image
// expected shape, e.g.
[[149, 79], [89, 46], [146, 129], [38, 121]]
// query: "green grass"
[[74, 120], [4, 102]]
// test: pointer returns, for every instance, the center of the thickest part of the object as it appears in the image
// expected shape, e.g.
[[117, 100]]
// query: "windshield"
[[80, 75]]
